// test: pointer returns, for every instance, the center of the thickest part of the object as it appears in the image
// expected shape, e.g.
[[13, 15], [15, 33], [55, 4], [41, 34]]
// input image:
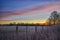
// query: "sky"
[[27, 11]]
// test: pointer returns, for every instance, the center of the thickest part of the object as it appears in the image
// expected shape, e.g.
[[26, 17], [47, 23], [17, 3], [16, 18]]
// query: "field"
[[30, 32]]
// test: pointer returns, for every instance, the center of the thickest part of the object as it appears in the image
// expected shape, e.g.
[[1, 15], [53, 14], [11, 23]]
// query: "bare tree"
[[54, 17]]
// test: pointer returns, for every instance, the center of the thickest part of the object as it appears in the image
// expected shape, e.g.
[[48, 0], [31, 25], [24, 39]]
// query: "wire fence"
[[44, 34]]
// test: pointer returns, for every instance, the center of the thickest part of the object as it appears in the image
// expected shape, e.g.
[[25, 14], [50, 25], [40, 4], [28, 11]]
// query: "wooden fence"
[[27, 35]]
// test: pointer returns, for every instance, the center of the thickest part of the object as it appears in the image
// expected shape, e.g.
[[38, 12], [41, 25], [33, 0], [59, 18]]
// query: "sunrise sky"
[[27, 11]]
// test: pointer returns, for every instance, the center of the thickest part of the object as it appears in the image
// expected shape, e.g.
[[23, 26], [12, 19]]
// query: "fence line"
[[16, 35]]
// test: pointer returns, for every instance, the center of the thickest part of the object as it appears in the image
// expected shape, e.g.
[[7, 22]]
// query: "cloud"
[[43, 8]]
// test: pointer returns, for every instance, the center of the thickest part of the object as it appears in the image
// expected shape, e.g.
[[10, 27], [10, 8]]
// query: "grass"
[[50, 34]]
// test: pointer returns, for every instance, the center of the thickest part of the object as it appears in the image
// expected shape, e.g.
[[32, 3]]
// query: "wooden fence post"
[[36, 32], [16, 29], [17, 32], [26, 33]]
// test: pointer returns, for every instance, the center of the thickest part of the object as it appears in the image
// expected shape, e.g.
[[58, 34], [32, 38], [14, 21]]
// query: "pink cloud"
[[30, 10]]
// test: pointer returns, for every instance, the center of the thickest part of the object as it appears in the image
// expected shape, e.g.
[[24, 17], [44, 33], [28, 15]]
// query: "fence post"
[[36, 29], [26, 32], [36, 32], [42, 28], [16, 29], [17, 32]]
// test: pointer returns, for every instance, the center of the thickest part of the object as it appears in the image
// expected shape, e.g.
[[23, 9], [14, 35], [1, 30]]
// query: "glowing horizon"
[[11, 21]]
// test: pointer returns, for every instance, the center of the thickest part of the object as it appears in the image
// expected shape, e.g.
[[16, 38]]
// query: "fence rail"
[[48, 34]]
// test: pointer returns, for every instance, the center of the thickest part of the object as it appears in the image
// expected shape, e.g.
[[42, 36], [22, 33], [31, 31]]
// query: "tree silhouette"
[[54, 18], [58, 21], [49, 20]]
